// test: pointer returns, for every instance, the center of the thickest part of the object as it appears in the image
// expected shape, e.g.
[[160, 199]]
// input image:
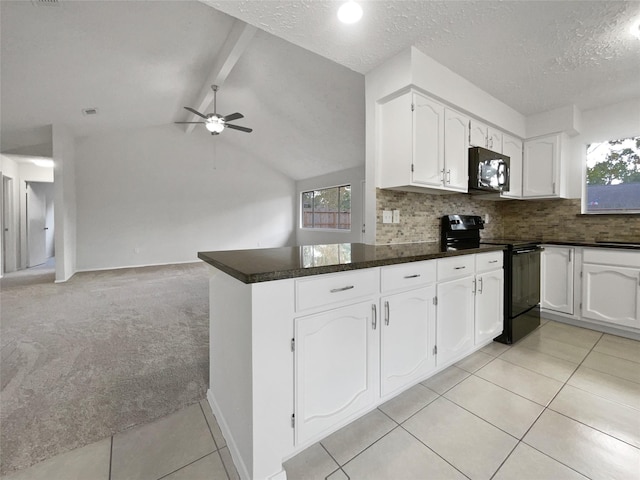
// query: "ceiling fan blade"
[[233, 116], [196, 112], [237, 127], [189, 122]]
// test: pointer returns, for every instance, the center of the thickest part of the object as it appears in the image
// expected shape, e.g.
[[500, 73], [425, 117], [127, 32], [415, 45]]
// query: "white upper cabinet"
[[494, 140], [456, 153], [541, 167], [512, 148], [422, 145], [481, 135], [477, 134], [428, 142]]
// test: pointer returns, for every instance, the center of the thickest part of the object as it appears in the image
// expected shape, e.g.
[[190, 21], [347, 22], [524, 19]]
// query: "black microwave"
[[488, 171]]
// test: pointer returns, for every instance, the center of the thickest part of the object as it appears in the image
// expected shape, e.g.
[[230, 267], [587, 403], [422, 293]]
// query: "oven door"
[[525, 292]]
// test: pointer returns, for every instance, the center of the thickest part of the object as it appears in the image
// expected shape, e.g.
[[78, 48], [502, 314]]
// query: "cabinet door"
[[454, 319], [489, 306], [336, 367], [477, 134], [611, 294], [556, 291], [494, 140], [408, 336], [512, 148], [541, 167], [428, 142], [456, 152]]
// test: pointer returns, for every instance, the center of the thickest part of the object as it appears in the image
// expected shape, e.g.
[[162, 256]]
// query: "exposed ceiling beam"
[[234, 46]]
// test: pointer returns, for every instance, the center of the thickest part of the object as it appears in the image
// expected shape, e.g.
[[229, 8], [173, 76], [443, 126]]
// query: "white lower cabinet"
[[408, 327], [336, 367], [556, 292], [489, 305], [455, 314], [611, 294]]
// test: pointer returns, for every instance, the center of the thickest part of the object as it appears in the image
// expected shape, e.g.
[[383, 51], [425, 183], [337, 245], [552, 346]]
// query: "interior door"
[[36, 226]]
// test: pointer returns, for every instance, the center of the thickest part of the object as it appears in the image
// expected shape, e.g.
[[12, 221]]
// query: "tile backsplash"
[[557, 219], [561, 220], [420, 215]]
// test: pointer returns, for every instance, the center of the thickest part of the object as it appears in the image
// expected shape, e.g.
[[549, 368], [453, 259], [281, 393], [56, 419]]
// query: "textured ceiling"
[[139, 62], [532, 55]]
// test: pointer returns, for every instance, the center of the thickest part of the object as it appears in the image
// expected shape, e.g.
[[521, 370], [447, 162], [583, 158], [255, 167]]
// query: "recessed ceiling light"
[[350, 12], [635, 29]]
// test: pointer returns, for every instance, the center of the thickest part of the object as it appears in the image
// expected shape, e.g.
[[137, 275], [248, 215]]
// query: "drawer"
[[454, 267], [489, 261], [607, 256], [340, 287], [407, 275]]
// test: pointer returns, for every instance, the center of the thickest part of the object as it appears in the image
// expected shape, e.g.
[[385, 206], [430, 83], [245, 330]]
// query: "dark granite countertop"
[[267, 264], [597, 243]]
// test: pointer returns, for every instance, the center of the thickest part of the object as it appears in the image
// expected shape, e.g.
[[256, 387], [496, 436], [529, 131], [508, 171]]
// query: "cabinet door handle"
[[442, 172], [336, 290], [412, 276], [386, 313], [480, 289], [374, 316], [570, 255], [474, 286], [448, 176], [493, 261], [459, 268]]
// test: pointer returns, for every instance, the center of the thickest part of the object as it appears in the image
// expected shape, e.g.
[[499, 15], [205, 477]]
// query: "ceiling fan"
[[216, 123]]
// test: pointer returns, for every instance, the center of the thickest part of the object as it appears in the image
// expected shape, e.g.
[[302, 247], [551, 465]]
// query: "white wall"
[[353, 177], [157, 195], [64, 174]]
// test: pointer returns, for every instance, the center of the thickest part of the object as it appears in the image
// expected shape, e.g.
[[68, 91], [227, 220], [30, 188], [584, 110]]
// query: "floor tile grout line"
[[505, 459], [435, 453], [364, 449], [542, 353], [224, 465], [615, 356], [186, 465], [554, 459], [511, 391], [208, 426], [611, 374], [330, 455]]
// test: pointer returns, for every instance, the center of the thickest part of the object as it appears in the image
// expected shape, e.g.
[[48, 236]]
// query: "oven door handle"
[[529, 250]]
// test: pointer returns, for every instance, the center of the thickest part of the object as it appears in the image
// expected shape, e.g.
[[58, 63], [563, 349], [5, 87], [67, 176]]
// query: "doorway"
[[40, 223], [9, 227]]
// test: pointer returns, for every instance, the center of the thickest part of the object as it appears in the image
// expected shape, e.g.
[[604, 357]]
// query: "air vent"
[[45, 2], [90, 111]]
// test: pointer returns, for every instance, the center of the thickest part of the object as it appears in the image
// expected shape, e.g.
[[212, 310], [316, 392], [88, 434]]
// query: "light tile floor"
[[564, 403]]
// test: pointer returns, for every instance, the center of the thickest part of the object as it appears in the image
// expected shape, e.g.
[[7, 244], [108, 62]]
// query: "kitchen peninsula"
[[306, 339]]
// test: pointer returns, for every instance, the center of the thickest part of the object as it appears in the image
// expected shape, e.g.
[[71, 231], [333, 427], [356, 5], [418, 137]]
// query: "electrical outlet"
[[387, 216], [396, 216], [487, 218]]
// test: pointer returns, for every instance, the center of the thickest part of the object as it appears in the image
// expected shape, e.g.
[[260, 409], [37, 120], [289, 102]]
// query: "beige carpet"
[[96, 355]]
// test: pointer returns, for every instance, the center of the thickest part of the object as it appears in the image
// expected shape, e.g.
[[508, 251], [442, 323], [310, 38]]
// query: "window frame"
[[319, 229], [585, 198]]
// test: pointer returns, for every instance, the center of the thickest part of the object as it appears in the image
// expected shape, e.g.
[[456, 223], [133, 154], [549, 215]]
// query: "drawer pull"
[[459, 268], [374, 316], [412, 276], [336, 290], [493, 261], [386, 313]]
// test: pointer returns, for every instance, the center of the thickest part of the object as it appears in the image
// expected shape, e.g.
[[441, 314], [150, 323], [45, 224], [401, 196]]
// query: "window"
[[328, 208], [613, 176]]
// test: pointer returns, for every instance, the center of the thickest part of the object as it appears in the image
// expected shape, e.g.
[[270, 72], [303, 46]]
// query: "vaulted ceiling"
[[140, 62]]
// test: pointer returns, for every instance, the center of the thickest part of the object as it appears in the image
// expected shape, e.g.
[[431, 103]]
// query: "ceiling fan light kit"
[[217, 123]]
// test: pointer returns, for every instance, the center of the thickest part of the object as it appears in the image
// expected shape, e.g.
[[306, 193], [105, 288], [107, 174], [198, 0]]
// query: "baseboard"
[[137, 266], [226, 432], [591, 325]]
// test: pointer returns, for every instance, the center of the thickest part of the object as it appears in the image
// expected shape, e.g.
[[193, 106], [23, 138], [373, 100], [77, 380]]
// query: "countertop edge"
[[310, 271]]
